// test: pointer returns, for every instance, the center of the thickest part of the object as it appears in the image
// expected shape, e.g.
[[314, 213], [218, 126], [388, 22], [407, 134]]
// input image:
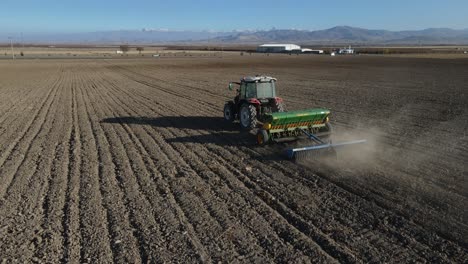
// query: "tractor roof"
[[258, 78]]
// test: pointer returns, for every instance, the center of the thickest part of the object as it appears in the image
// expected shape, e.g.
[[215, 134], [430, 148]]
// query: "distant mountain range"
[[332, 36], [351, 35]]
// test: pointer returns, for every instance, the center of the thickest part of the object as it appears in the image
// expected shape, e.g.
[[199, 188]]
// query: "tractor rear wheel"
[[279, 107], [248, 116], [229, 112], [262, 137]]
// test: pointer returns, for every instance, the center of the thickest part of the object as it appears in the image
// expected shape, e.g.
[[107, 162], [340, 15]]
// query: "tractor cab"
[[256, 96], [257, 87]]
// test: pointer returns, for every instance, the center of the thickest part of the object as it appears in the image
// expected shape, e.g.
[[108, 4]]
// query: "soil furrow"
[[51, 250], [70, 220], [15, 155], [136, 161], [95, 243], [23, 197], [122, 239], [121, 184]]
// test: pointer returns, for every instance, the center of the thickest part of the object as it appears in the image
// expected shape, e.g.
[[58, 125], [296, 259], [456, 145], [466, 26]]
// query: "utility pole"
[[12, 50]]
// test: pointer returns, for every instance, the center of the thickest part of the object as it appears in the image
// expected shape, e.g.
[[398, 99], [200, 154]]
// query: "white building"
[[312, 51], [348, 50], [276, 48]]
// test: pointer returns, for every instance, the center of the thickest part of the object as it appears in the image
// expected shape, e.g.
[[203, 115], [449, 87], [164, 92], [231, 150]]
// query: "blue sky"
[[85, 15]]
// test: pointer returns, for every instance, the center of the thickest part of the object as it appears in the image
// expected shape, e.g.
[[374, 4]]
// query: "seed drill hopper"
[[257, 106]]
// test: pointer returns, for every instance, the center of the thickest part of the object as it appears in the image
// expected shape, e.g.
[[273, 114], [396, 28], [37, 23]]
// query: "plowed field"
[[129, 161]]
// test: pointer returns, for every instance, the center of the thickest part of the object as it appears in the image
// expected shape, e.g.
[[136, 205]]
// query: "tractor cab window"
[[266, 89], [250, 90], [242, 90], [258, 90]]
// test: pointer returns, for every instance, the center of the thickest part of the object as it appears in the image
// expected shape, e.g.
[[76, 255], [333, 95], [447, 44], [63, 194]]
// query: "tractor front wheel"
[[229, 112], [248, 116], [262, 137]]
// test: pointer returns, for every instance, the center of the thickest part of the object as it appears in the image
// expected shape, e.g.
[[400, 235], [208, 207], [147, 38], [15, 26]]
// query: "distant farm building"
[[312, 51], [278, 48], [348, 50]]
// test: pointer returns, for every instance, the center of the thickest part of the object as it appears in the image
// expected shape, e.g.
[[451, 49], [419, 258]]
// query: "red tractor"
[[255, 98]]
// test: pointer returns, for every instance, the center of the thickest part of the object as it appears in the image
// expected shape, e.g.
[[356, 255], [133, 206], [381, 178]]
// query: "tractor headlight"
[[267, 126]]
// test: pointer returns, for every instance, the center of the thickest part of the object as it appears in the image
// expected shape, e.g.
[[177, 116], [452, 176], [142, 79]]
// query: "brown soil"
[[130, 161]]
